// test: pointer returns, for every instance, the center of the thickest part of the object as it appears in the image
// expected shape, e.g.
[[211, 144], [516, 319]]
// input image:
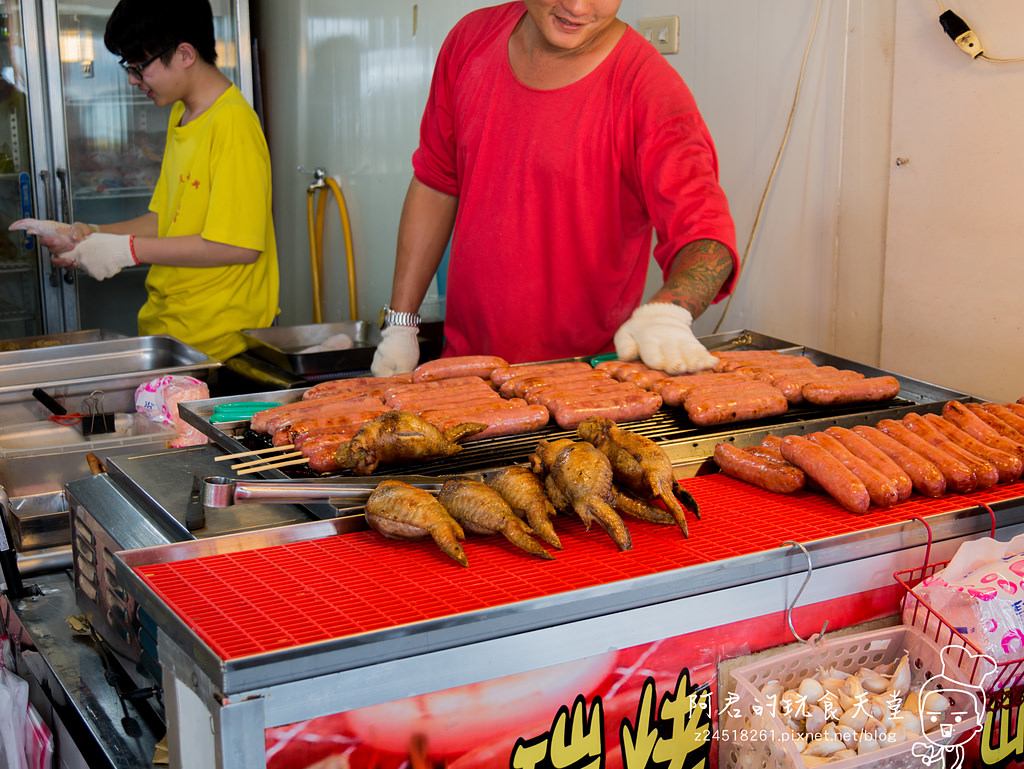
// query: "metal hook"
[[807, 578]]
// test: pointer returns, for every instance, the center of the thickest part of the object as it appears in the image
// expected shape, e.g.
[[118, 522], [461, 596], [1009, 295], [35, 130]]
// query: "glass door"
[[20, 298]]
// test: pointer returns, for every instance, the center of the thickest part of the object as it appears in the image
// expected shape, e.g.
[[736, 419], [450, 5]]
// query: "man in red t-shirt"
[[553, 145]]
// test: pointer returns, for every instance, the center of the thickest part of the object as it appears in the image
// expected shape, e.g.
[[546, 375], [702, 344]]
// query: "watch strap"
[[389, 317]]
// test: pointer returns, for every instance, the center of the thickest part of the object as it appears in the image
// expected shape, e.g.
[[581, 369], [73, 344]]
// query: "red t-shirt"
[[559, 190]]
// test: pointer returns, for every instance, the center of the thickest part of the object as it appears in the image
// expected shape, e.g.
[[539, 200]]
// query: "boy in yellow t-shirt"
[[209, 233]]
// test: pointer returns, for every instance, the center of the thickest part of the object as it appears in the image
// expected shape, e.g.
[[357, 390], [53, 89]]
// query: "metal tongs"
[[220, 492]]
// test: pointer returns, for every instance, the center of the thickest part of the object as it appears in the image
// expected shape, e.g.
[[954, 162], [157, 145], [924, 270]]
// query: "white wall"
[[814, 267], [952, 309]]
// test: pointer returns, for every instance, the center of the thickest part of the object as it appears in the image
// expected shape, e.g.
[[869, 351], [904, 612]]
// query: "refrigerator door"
[[97, 144], [23, 178]]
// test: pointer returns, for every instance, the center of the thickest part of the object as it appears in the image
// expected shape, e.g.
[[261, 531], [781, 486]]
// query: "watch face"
[[383, 316]]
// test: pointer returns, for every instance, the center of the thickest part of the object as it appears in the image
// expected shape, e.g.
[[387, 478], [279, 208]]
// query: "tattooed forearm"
[[698, 273]]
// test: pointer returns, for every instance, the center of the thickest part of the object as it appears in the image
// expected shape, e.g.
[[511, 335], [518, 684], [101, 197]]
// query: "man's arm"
[[424, 229], [697, 274], [659, 333], [423, 233]]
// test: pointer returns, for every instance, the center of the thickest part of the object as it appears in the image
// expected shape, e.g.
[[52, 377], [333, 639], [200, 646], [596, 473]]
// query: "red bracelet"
[[131, 247]]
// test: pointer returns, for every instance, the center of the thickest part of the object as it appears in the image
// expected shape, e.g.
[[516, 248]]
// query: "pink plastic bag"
[[159, 399], [25, 740], [980, 594]]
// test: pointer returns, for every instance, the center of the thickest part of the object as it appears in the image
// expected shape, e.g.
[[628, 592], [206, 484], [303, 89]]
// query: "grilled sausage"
[[759, 470], [522, 387], [561, 394], [324, 459], [273, 419], [447, 411], [517, 420], [314, 439], [1008, 467], [971, 423], [458, 366], [622, 408], [645, 379], [926, 477], [838, 392], [985, 473], [725, 405], [778, 360], [960, 478], [609, 392], [299, 427], [439, 398], [501, 375], [367, 385], [673, 390], [793, 386], [993, 421], [833, 476], [1006, 415], [881, 490], [879, 460]]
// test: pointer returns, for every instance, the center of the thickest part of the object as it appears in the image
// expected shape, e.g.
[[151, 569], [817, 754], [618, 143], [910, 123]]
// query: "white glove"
[[59, 237], [659, 334], [398, 351], [103, 255]]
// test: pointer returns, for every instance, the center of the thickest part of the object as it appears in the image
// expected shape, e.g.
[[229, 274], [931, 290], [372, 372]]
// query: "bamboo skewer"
[[300, 461], [225, 457], [262, 460]]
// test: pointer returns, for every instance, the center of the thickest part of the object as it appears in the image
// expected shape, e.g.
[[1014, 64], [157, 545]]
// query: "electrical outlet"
[[661, 31]]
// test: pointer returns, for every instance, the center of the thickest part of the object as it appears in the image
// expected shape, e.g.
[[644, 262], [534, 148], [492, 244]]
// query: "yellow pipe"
[[314, 255], [346, 227], [316, 237]]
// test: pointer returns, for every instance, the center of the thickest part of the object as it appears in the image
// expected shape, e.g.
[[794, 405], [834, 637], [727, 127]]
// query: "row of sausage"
[[968, 447], [525, 398]]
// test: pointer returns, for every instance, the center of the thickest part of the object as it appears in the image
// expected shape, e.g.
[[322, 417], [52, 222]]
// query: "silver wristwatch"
[[389, 317]]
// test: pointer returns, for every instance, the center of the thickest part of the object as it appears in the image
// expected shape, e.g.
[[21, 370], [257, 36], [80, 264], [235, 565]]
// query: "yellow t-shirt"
[[214, 181]]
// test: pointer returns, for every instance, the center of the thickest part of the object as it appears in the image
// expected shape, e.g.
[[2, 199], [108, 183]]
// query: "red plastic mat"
[[277, 597]]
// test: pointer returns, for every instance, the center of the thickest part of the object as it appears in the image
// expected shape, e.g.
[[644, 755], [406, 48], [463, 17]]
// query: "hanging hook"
[[807, 578]]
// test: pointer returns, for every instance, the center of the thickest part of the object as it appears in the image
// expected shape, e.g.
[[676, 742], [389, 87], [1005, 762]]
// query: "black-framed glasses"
[[138, 69]]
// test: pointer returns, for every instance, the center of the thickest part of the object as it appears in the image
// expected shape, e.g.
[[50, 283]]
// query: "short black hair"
[[138, 29]]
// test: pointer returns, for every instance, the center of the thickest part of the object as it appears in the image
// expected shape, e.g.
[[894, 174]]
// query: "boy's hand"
[[101, 255], [59, 237]]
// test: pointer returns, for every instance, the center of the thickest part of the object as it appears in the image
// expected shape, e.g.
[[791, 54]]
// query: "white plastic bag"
[[25, 740], [980, 594]]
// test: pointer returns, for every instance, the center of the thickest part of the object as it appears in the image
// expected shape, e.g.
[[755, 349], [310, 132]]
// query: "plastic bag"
[[158, 399], [980, 594], [25, 740]]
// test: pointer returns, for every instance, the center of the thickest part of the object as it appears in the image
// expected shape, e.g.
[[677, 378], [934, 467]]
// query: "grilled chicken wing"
[[639, 464], [400, 511], [524, 493], [398, 436], [481, 510], [579, 477]]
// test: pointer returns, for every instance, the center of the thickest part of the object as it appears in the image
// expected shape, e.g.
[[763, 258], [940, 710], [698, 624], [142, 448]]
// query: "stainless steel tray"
[[52, 340], [287, 347], [71, 372]]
